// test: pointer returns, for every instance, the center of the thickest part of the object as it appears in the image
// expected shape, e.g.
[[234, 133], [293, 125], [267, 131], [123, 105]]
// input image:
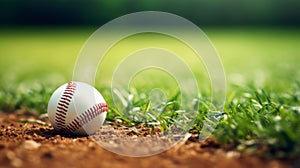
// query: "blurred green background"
[[257, 40], [201, 12]]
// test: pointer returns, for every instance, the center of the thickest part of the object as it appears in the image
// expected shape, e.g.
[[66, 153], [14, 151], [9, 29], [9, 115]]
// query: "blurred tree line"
[[201, 12]]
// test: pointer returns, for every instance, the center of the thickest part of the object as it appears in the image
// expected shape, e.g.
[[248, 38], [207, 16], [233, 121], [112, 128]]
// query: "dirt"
[[28, 142]]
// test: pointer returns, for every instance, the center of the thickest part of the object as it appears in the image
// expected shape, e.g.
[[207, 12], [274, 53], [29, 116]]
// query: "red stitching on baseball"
[[81, 119], [87, 116], [59, 122], [67, 97], [61, 111], [71, 126], [92, 113], [76, 122], [68, 92], [60, 116], [63, 104], [70, 88], [62, 107]]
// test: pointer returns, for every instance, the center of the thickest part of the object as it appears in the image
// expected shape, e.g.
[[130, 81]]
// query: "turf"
[[262, 109]]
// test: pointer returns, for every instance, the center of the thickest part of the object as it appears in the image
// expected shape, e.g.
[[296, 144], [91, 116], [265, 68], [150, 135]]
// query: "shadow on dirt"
[[50, 132]]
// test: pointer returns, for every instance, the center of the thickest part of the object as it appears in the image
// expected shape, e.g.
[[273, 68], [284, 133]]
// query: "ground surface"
[[31, 144]]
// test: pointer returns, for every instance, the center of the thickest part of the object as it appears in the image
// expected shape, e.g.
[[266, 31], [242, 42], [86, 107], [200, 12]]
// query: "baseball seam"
[[86, 117], [63, 105]]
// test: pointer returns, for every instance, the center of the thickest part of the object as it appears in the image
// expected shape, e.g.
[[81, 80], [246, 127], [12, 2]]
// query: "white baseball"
[[77, 108]]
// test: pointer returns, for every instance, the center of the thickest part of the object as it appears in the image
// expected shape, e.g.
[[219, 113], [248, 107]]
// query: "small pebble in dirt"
[[2, 146], [47, 155], [31, 145], [233, 154], [91, 145], [62, 146], [14, 160], [80, 140]]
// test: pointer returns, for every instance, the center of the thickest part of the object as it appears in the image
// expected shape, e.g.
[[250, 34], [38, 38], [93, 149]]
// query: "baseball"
[[77, 108]]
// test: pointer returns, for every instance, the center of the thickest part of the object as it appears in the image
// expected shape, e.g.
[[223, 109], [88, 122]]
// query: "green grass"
[[261, 121], [262, 109]]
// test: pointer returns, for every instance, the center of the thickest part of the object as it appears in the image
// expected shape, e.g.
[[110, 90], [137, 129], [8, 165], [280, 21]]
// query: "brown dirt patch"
[[34, 145]]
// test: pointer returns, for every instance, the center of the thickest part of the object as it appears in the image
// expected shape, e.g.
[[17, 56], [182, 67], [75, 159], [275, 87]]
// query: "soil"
[[28, 142]]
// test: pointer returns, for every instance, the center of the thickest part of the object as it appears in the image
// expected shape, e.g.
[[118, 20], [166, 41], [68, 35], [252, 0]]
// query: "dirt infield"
[[32, 144]]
